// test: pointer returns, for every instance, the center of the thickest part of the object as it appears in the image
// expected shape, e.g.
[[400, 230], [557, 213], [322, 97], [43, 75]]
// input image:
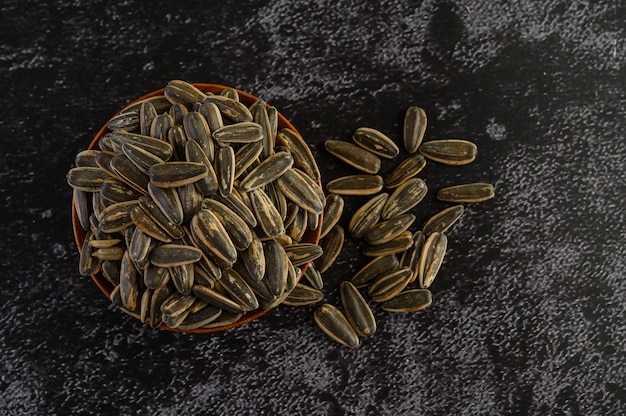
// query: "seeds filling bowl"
[[197, 208]]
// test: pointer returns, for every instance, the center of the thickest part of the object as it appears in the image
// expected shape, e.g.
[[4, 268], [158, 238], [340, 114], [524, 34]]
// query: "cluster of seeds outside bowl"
[[197, 208], [400, 258]]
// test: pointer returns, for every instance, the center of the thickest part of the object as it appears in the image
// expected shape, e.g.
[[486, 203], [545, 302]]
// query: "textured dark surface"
[[529, 312]]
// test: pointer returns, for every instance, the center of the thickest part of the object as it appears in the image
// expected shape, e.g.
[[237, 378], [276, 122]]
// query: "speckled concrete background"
[[529, 312]]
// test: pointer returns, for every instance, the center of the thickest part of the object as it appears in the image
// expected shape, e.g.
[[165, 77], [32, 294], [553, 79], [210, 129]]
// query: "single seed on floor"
[[356, 185], [354, 155], [433, 252], [443, 220], [335, 325], [470, 192], [414, 128], [376, 142], [357, 310], [449, 152], [412, 300]]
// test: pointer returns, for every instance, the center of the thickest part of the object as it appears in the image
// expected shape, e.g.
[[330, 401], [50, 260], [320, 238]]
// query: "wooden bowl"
[[311, 236]]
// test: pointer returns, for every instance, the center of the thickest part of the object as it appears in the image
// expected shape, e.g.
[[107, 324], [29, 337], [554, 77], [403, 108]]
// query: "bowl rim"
[[310, 236]]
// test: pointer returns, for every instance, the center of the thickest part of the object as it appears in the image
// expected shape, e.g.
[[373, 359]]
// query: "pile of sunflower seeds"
[[195, 208], [399, 257]]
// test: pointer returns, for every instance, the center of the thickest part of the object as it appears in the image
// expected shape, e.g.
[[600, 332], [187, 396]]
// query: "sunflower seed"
[[225, 169], [237, 229], [471, 192], [200, 318], [266, 214], [414, 128], [114, 190], [144, 308], [176, 304], [128, 121], [246, 156], [175, 174], [153, 211], [159, 102], [161, 124], [313, 220], [405, 197], [87, 179], [109, 253], [147, 225], [356, 185], [301, 190], [191, 200], [82, 207], [260, 116], [259, 287], [239, 290], [155, 277], [450, 152], [88, 264], [168, 201], [183, 277], [375, 142], [229, 108], [194, 153], [335, 325], [409, 301], [86, 158], [177, 91], [302, 156], [103, 161], [272, 115], [178, 111], [105, 144], [111, 271], [158, 297], [267, 171], [230, 93], [433, 252], [276, 270], [375, 269], [212, 115], [279, 201], [212, 297], [212, 238], [141, 158], [367, 215], [357, 310], [245, 132], [174, 321], [408, 168], [128, 172], [170, 255], [177, 138], [389, 285], [116, 217], [202, 277], [147, 113], [399, 244], [332, 213], [411, 257], [197, 129], [224, 321], [443, 220], [388, 230], [314, 277], [303, 295], [302, 253], [129, 283], [331, 247], [162, 149], [298, 226], [233, 202], [354, 155]]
